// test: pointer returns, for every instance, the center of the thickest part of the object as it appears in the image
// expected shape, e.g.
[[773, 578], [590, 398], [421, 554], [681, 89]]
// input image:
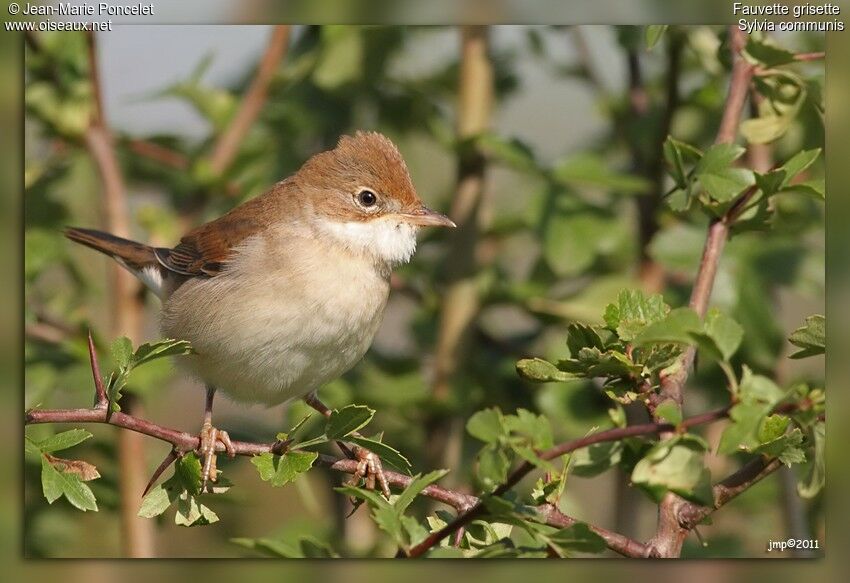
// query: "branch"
[[668, 538], [225, 149], [137, 534], [185, 442]]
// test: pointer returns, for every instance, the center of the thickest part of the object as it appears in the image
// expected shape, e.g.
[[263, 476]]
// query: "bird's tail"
[[139, 259], [135, 256]]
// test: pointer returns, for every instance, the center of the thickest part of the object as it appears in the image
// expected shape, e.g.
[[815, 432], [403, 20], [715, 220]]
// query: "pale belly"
[[280, 335]]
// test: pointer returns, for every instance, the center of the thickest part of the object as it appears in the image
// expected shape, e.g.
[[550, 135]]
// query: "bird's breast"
[[286, 317]]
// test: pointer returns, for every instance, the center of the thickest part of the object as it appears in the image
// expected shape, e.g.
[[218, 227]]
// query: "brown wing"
[[205, 250]]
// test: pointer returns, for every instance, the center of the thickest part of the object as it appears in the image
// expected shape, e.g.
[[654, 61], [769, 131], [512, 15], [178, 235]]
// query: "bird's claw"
[[369, 469], [209, 437]]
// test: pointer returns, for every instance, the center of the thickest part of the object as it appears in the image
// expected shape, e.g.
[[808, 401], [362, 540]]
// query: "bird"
[[286, 291]]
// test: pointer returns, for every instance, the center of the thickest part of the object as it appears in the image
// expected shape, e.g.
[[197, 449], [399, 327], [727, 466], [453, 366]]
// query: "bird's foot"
[[209, 438], [369, 469]]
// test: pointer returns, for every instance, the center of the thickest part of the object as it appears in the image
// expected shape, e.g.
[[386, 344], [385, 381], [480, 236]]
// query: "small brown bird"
[[285, 292]]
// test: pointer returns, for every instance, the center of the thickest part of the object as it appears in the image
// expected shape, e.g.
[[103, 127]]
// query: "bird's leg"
[[369, 467], [209, 437]]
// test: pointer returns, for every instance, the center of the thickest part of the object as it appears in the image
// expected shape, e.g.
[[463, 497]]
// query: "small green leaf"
[[535, 427], [419, 483], [541, 371], [583, 336], [721, 335], [814, 471], [633, 312], [486, 425], [577, 538], [722, 181], [773, 427], [595, 459], [345, 421], [122, 351], [811, 337], [283, 469], [669, 411], [64, 440], [55, 484], [798, 163], [677, 154], [510, 151], [654, 32], [786, 447], [155, 502], [765, 52], [492, 468], [677, 327], [674, 465], [162, 348]]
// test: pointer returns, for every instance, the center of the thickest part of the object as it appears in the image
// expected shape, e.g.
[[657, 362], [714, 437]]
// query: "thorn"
[[169, 459], [355, 504], [280, 447], [100, 390]]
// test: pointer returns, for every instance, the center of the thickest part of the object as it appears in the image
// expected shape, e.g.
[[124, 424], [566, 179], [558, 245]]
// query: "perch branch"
[[669, 536]]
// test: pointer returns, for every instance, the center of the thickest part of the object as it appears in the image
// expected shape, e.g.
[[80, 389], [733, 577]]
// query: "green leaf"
[[387, 454], [190, 512], [122, 352], [149, 352], [55, 484], [419, 483], [811, 337], [785, 95], [721, 335], [577, 538], [677, 155], [669, 411], [155, 502], [773, 427], [762, 50], [654, 32], [535, 427], [677, 327], [595, 459], [345, 421], [815, 469], [283, 469], [492, 468], [758, 388], [541, 371], [64, 440], [722, 181], [742, 433], [486, 425], [798, 163], [592, 170], [510, 151], [342, 57], [674, 465], [582, 336], [786, 447], [633, 312]]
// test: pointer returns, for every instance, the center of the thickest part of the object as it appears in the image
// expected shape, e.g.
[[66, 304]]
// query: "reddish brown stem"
[[227, 146]]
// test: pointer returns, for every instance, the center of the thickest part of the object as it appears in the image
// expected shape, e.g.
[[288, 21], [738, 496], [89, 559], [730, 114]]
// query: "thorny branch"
[[467, 506], [671, 531]]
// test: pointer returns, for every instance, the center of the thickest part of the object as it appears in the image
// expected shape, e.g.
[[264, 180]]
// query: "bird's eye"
[[367, 198]]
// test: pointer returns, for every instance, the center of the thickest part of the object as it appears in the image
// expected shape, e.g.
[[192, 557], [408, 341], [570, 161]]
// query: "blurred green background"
[[572, 212]]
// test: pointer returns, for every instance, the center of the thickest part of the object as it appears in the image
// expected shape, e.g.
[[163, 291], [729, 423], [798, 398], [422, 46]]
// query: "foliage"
[[567, 245]]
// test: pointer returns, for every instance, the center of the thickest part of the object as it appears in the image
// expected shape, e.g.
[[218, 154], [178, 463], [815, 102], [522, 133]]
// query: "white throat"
[[387, 240]]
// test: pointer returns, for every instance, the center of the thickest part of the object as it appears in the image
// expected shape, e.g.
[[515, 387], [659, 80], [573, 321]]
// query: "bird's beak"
[[425, 217]]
